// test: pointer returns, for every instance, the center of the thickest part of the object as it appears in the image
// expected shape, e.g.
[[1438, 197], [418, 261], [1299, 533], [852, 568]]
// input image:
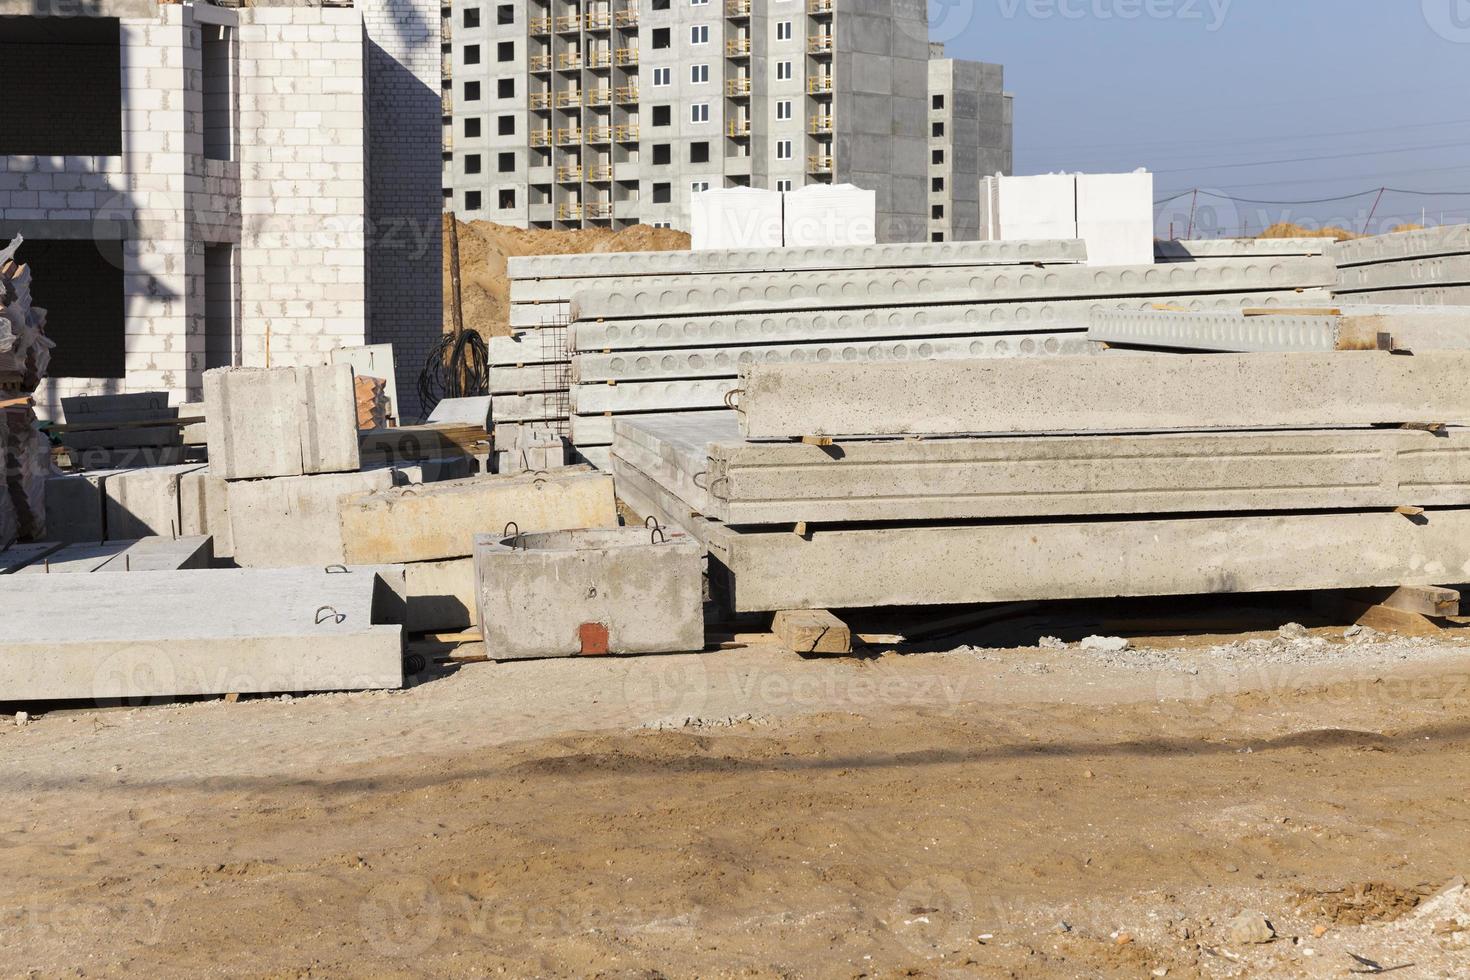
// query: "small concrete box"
[[586, 592]]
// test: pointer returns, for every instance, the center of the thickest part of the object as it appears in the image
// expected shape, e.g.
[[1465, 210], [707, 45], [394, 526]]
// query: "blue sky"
[[1230, 95]]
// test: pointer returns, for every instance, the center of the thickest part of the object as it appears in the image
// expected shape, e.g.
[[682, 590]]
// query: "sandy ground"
[[973, 812]]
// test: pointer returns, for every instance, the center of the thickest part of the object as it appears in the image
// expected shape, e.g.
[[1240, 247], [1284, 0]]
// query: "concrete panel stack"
[[1216, 249], [135, 429], [1396, 328], [1429, 267], [662, 343], [975, 481], [25, 354]]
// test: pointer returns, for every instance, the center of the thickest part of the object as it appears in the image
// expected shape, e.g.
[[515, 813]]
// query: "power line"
[[1315, 159], [1256, 141], [1461, 168]]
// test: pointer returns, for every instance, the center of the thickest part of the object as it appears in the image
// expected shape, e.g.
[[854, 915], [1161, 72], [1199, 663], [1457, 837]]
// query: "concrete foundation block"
[[204, 508], [462, 411], [588, 592], [441, 595], [18, 556], [291, 421], [439, 521], [75, 506], [204, 631], [296, 520], [156, 554], [145, 502], [1082, 394]]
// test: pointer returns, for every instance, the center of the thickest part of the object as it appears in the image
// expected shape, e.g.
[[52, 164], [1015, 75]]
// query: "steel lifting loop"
[[657, 536], [716, 482], [332, 612], [505, 532], [732, 399], [696, 477], [650, 522], [335, 569], [408, 492]]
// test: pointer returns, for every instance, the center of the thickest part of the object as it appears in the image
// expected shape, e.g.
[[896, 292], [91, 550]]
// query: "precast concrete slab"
[[1213, 249], [76, 504], [676, 296], [524, 347], [296, 520], [702, 460], [717, 362], [938, 564], [647, 396], [1447, 270], [82, 557], [474, 410], [810, 259], [204, 508], [439, 521], [163, 554], [130, 438], [1142, 392], [136, 405], [536, 407], [1426, 242], [1424, 296], [528, 378], [1229, 331], [203, 631], [441, 595], [530, 316], [597, 430], [615, 590], [599, 457], [892, 323], [18, 556], [145, 501], [291, 421]]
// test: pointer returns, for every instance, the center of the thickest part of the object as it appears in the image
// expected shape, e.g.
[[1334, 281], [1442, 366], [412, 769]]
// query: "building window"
[[472, 91], [937, 211], [663, 115], [698, 74], [699, 152], [507, 197], [662, 154], [660, 4], [699, 34], [662, 77], [698, 186], [698, 3], [505, 88], [472, 17], [472, 163], [936, 156], [937, 236], [939, 102], [936, 184], [472, 54], [937, 129], [783, 31], [783, 186], [783, 109], [218, 90], [783, 149], [783, 70], [505, 13], [661, 38], [472, 200], [505, 51], [699, 112], [472, 127], [506, 163], [506, 125], [662, 193]]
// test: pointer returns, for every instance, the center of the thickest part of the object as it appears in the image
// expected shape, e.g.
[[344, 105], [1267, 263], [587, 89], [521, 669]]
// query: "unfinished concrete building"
[[970, 136], [559, 114], [213, 176]]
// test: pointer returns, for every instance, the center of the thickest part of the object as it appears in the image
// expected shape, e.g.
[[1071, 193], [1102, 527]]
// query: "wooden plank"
[[1389, 620], [812, 631], [1426, 600]]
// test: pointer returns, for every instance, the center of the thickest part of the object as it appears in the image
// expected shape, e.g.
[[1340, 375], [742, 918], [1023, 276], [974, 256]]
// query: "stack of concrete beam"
[[529, 370], [25, 354], [135, 429], [981, 481], [1350, 327], [660, 343], [430, 531], [1430, 267]]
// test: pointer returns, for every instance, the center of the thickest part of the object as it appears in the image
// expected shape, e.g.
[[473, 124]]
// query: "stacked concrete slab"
[[135, 429], [1218, 249], [961, 482], [1430, 267], [644, 345], [1349, 327]]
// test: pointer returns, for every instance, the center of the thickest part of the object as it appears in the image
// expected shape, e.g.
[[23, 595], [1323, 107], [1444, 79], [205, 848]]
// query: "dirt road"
[[1030, 813]]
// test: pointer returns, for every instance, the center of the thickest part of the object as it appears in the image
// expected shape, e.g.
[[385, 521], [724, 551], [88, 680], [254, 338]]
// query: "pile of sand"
[[485, 245]]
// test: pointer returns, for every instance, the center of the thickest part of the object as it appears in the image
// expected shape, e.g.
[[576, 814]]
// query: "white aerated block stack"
[[735, 217], [822, 214]]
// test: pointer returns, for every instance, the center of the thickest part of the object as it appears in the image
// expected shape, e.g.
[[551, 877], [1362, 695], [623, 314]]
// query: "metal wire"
[[458, 367]]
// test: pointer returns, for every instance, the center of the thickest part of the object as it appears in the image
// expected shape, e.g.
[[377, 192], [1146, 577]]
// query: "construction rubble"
[[673, 440]]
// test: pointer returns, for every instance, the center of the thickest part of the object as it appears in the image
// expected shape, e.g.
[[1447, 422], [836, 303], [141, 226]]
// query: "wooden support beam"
[[812, 631]]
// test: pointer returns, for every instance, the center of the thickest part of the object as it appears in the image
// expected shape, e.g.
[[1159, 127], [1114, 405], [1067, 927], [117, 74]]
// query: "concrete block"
[[203, 631], [810, 631], [462, 411], [441, 595], [1081, 394], [153, 554], [588, 592], [701, 460], [1115, 217], [664, 332], [439, 521], [204, 508], [770, 570], [134, 406], [291, 421], [18, 556], [75, 506], [145, 502], [296, 520]]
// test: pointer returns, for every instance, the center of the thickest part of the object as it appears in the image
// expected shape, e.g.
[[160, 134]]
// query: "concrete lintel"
[[1089, 394]]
